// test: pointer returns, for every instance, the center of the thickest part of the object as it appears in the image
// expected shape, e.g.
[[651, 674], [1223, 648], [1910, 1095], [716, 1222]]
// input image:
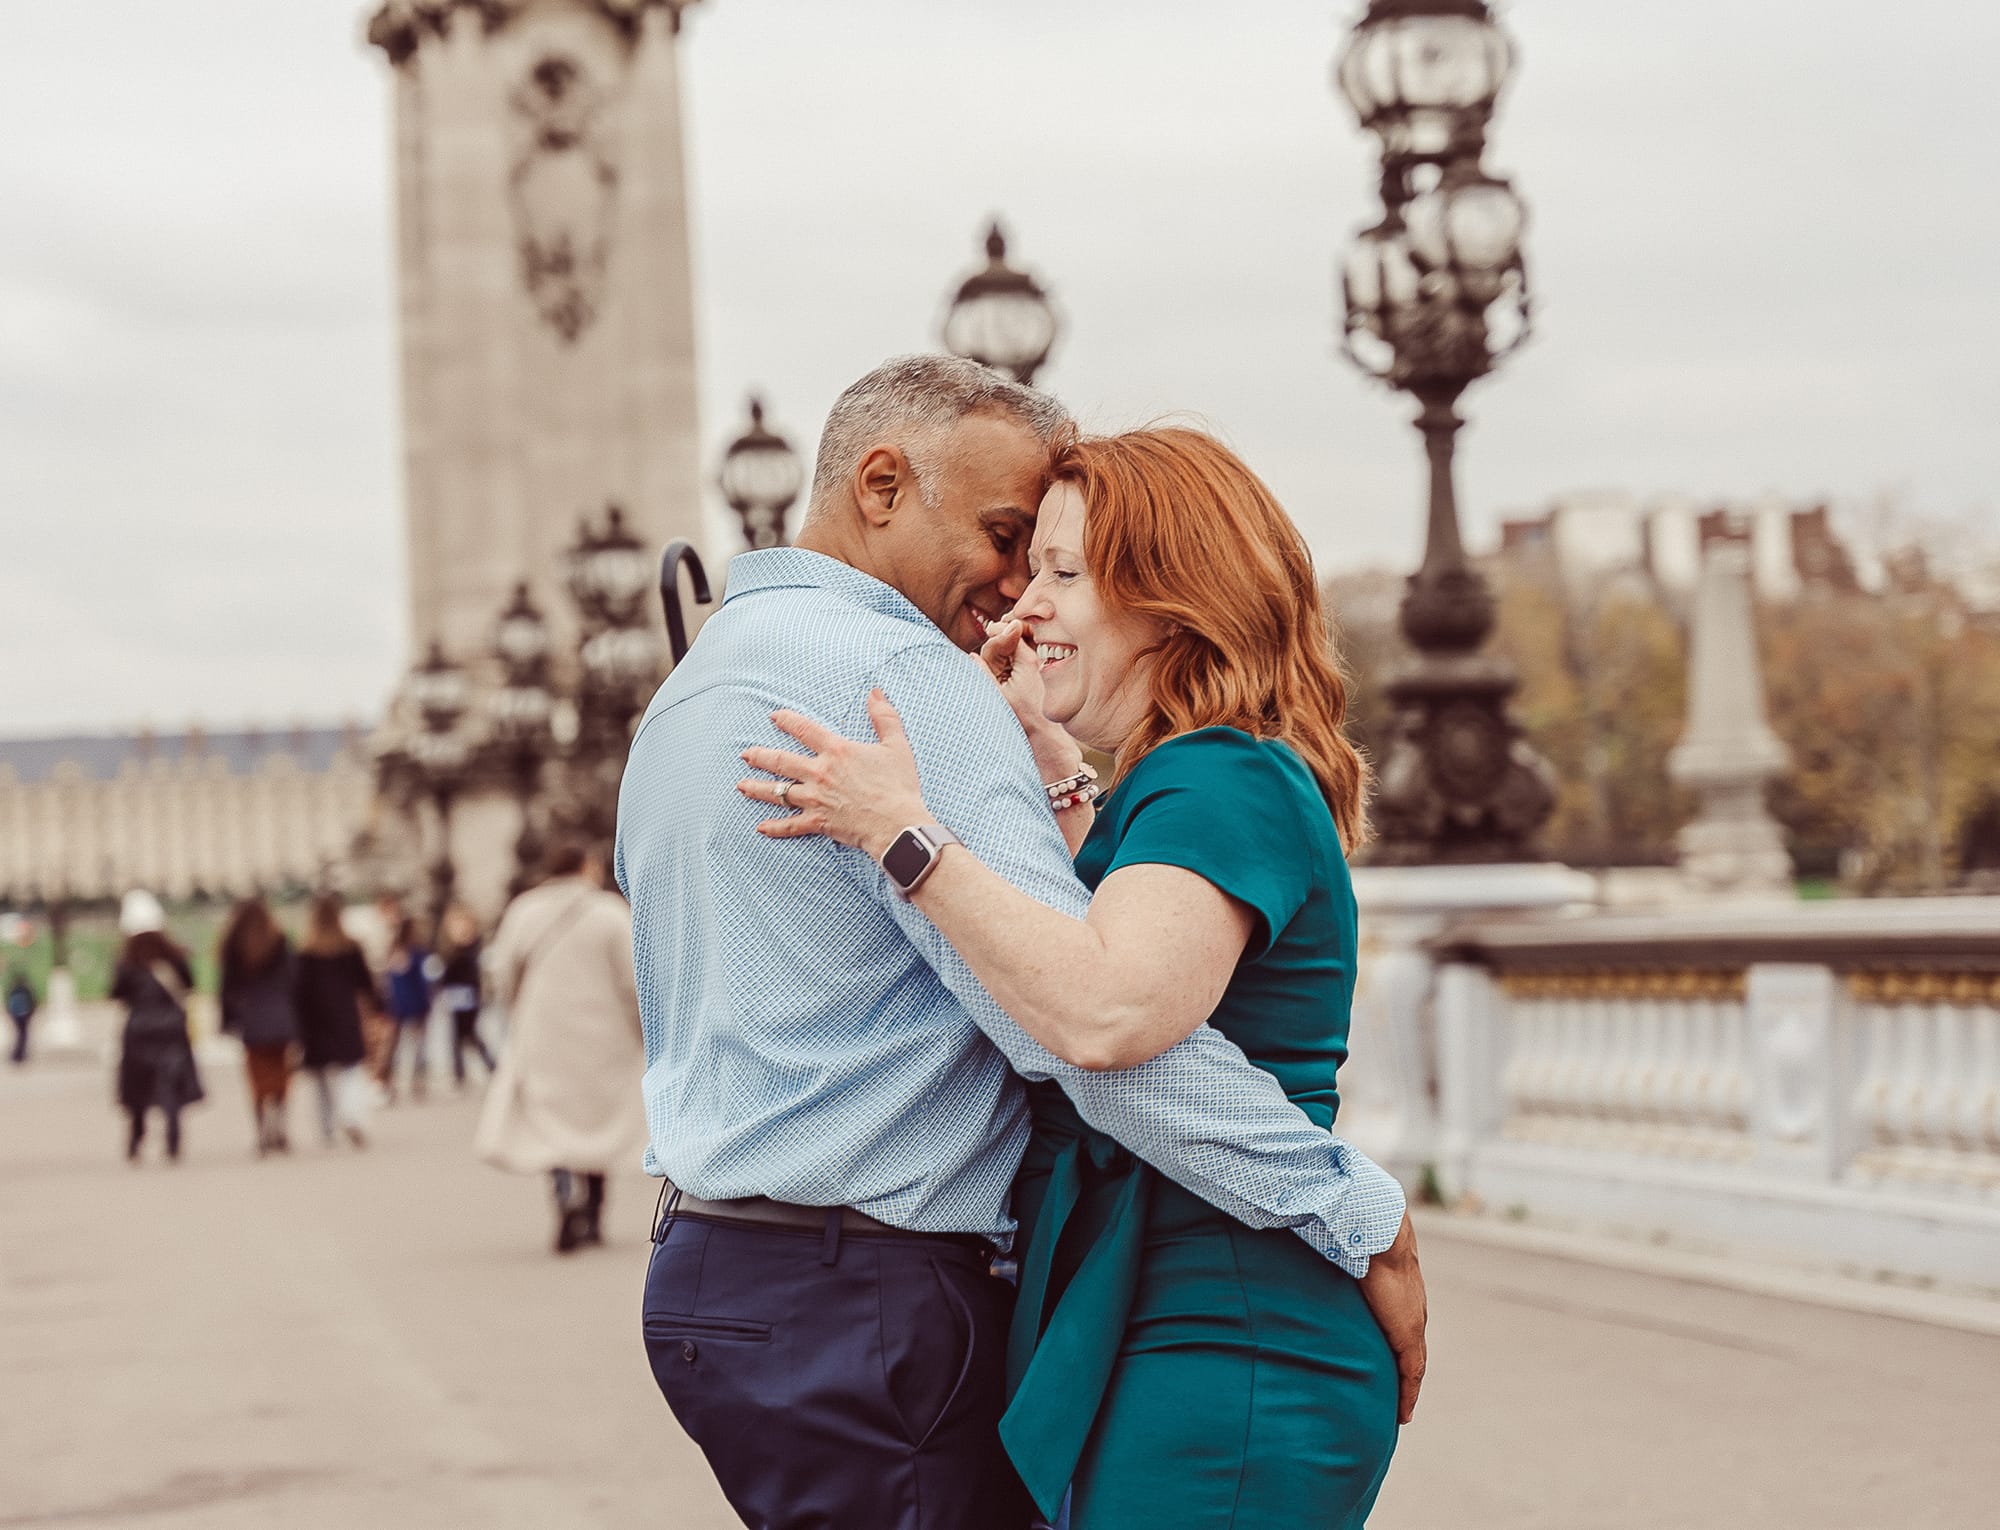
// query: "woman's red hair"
[[1181, 531]]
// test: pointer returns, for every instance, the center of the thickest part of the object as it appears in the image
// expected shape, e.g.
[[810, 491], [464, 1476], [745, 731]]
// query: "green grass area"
[[94, 943]]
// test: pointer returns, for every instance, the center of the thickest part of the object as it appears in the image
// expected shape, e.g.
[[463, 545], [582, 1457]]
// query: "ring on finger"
[[785, 793]]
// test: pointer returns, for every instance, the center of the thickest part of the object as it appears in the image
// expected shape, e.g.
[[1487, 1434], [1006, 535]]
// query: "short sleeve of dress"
[[1233, 810]]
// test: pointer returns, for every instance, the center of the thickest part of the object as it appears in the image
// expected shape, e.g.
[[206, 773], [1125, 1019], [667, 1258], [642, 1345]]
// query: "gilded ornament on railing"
[[1893, 987], [1686, 984]]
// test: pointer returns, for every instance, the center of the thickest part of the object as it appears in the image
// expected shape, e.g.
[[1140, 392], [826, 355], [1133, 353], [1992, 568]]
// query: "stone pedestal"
[[58, 1028], [1733, 848], [1391, 1102]]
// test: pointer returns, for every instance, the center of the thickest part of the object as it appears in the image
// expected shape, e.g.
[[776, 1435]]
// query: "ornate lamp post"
[[520, 712], [610, 576], [1001, 317], [1436, 295], [760, 478], [440, 755]]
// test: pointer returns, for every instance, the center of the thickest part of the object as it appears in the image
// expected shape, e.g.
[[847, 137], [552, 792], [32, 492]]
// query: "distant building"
[[1586, 540], [189, 814]]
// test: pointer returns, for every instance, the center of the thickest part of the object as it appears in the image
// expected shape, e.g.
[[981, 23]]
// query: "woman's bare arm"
[[1148, 964]]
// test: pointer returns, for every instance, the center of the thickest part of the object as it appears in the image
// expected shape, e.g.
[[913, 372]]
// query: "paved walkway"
[[380, 1339]]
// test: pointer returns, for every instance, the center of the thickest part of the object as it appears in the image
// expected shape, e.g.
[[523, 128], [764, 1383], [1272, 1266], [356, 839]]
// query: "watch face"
[[906, 859]]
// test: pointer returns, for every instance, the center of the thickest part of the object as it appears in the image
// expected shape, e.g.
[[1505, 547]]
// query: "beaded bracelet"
[[1073, 790]]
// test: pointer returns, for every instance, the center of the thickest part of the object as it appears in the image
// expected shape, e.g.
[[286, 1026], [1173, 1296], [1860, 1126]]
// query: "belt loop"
[[663, 1209], [830, 1250]]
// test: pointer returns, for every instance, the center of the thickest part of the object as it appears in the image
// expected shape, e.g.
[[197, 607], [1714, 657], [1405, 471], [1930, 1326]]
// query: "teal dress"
[[1181, 1370]]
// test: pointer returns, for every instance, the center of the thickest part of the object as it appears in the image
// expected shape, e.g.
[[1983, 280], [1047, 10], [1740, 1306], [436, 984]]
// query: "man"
[[828, 1090]]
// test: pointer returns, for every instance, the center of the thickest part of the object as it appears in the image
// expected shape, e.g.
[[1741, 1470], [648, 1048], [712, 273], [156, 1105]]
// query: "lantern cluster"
[[1437, 291]]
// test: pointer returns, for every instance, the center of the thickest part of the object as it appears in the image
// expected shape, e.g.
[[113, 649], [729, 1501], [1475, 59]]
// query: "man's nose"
[[1015, 581]]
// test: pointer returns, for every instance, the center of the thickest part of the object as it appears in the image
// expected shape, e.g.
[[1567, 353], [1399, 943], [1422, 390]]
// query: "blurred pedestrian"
[[459, 988], [566, 1101], [331, 991], [21, 1010], [257, 1009], [406, 987], [156, 1061], [374, 928]]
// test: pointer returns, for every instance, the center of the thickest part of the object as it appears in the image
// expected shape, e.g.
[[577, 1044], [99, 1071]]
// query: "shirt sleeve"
[[1220, 804], [1201, 1113]]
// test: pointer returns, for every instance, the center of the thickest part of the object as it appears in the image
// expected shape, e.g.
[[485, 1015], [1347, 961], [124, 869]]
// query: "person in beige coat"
[[566, 1100]]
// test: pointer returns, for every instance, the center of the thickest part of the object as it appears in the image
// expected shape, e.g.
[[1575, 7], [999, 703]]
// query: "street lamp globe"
[[440, 755], [618, 660], [439, 690], [1465, 236], [760, 478], [1381, 287], [1001, 317], [1424, 75], [609, 572], [519, 707], [521, 638]]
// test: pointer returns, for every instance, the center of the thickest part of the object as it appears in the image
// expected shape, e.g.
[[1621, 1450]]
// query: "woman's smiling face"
[[1096, 673]]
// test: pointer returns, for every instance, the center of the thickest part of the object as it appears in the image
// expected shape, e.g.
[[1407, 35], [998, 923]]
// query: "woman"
[[257, 1009], [459, 988], [406, 982], [156, 1062], [331, 986], [563, 1103], [1179, 1368]]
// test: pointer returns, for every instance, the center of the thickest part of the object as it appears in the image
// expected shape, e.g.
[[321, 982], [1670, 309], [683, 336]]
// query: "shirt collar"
[[793, 568]]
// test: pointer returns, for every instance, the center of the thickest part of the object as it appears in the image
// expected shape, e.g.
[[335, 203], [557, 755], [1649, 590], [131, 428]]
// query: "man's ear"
[[882, 483]]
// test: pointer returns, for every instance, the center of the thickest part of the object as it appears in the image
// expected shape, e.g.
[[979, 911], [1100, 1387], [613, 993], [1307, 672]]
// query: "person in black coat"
[[156, 1062], [459, 988], [331, 985], [257, 1009]]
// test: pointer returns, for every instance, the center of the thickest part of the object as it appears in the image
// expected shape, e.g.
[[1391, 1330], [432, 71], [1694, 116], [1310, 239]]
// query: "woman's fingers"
[[816, 736], [778, 762], [888, 721], [1000, 650]]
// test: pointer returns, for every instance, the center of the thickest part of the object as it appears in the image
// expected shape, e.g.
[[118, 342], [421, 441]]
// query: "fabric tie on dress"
[[1064, 1343]]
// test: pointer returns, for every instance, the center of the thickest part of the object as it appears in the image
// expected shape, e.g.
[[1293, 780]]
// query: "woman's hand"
[[1009, 656], [859, 794]]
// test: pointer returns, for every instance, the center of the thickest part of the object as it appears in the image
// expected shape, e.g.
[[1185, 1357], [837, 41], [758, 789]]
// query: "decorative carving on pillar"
[[628, 14], [398, 27], [563, 186]]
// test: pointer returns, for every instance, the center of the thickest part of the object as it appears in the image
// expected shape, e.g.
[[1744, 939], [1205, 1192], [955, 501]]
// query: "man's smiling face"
[[963, 561]]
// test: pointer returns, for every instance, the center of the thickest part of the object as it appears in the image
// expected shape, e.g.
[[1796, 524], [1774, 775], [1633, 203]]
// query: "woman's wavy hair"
[[1181, 531]]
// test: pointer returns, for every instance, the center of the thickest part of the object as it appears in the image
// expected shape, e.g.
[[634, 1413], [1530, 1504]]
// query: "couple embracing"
[[920, 1001]]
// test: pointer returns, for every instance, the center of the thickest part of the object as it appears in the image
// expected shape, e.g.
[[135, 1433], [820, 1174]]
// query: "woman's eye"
[[1063, 575]]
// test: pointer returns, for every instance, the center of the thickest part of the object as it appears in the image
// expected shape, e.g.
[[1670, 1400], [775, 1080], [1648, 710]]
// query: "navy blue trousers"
[[849, 1385]]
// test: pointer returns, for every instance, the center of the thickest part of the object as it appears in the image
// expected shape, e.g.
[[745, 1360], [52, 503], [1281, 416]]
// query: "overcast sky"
[[1764, 244]]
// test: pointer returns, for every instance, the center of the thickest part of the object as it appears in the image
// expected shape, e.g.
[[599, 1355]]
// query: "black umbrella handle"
[[680, 551]]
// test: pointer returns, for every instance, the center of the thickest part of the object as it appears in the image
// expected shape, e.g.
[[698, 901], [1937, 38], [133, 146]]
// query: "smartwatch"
[[913, 855]]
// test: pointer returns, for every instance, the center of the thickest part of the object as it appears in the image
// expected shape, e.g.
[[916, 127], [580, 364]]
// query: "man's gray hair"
[[912, 402]]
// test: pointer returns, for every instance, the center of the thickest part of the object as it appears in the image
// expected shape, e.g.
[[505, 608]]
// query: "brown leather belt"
[[762, 1211]]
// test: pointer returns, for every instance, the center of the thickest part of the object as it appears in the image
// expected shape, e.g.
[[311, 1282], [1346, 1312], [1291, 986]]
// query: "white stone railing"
[[1813, 1082]]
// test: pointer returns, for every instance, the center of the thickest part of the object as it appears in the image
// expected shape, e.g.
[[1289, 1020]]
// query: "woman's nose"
[[1034, 602]]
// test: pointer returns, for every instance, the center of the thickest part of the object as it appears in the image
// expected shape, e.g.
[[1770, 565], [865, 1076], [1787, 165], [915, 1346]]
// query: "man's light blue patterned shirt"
[[813, 1038]]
